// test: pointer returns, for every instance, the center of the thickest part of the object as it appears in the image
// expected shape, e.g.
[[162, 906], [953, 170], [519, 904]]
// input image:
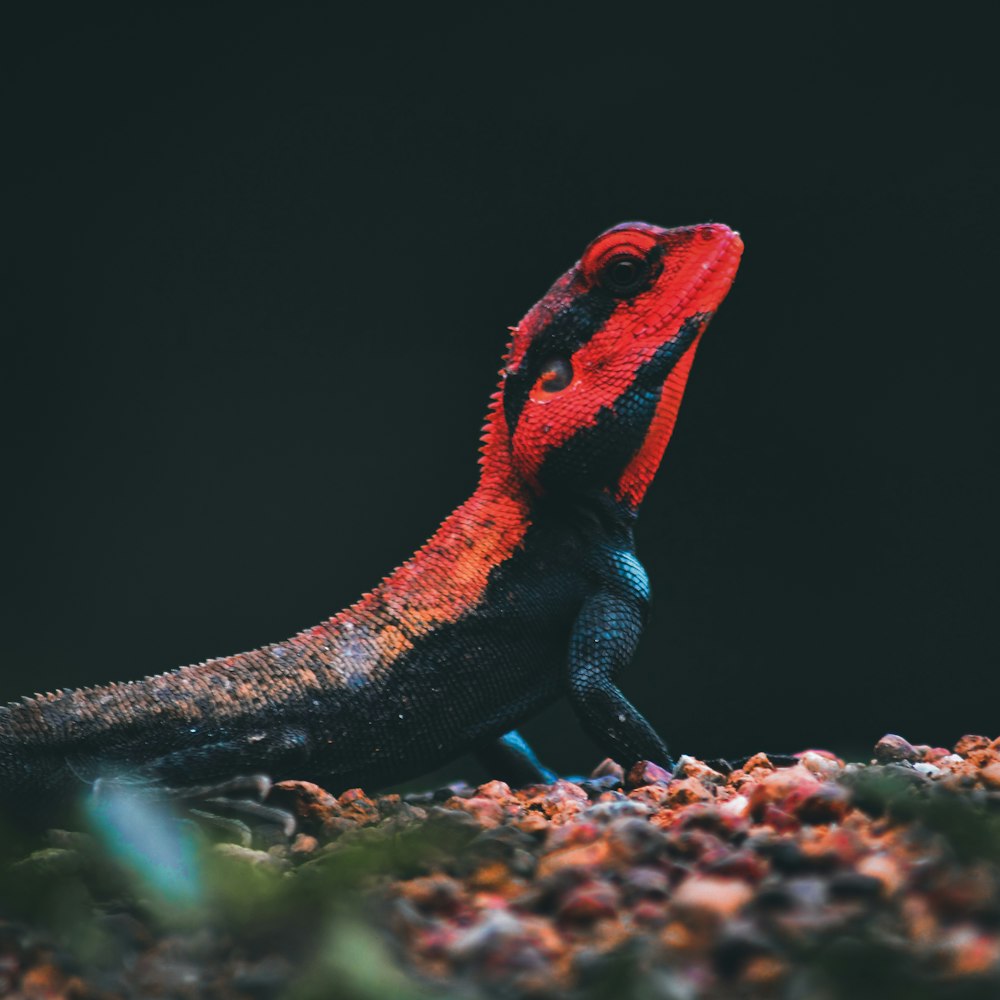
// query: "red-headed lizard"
[[528, 592]]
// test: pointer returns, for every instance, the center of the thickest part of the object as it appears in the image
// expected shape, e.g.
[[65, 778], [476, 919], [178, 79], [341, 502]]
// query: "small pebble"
[[687, 791], [720, 897], [589, 902], [892, 748], [967, 744], [646, 773], [609, 768], [990, 776], [304, 844]]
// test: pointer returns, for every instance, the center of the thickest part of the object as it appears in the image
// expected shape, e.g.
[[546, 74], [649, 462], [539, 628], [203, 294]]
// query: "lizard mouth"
[[710, 275]]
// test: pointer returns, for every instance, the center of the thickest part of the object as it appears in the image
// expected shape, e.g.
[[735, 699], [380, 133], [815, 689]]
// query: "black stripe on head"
[[568, 330], [596, 455]]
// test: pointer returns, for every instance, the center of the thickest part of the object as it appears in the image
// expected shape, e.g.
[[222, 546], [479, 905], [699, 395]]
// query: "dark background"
[[261, 267]]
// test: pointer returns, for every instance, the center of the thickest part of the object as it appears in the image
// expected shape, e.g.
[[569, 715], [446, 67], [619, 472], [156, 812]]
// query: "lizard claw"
[[234, 806]]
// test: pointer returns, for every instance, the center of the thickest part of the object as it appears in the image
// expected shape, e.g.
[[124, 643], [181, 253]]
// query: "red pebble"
[[777, 787], [649, 913], [589, 902], [572, 835], [686, 791], [498, 790], [968, 743], [827, 803], [645, 772], [357, 806], [743, 864], [609, 768], [893, 748], [487, 812]]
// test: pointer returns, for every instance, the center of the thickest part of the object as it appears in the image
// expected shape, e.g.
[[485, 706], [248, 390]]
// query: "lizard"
[[529, 591]]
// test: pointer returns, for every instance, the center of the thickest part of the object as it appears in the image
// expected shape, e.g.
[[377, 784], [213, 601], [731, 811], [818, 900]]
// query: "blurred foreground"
[[820, 881]]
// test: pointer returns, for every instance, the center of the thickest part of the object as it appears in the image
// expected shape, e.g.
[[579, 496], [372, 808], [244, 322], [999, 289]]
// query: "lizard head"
[[596, 370]]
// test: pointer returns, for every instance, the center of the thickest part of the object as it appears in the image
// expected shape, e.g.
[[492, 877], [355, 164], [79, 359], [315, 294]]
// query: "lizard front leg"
[[603, 640]]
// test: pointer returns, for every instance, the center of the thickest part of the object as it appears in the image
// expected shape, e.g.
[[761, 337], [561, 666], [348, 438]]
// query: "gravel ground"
[[816, 881]]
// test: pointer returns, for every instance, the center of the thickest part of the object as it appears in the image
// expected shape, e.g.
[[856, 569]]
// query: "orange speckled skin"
[[529, 591]]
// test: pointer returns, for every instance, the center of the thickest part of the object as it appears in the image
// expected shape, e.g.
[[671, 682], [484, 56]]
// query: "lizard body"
[[529, 591]]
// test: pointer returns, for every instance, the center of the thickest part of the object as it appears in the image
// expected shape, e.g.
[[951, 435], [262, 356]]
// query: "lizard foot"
[[235, 807]]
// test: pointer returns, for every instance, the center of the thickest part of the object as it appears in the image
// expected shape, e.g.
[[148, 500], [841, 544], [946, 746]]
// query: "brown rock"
[[764, 970], [609, 768], [969, 743], [893, 749], [584, 856], [532, 822], [708, 816], [758, 762], [990, 776], [679, 936], [649, 913], [692, 843], [744, 865], [686, 791], [633, 840], [498, 790], [691, 767], [487, 812], [304, 844], [434, 894], [822, 763], [720, 898], [614, 805], [494, 876], [589, 902], [736, 808], [559, 802], [885, 868], [650, 795], [919, 920], [313, 807], [794, 784], [780, 820], [524, 951], [645, 772], [970, 951], [840, 844], [955, 893], [572, 835], [44, 982], [389, 804], [354, 804], [645, 882], [827, 803]]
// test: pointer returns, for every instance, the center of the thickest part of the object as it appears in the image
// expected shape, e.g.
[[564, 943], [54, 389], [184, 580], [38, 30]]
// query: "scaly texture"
[[529, 591]]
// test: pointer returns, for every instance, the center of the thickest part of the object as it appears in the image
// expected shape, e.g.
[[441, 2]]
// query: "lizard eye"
[[623, 262], [556, 374], [624, 274]]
